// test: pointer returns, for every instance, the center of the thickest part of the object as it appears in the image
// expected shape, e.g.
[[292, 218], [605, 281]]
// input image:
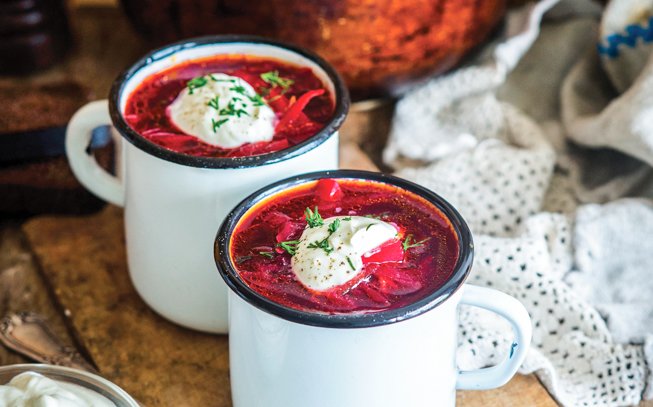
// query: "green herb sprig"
[[239, 89], [196, 83], [275, 80], [231, 110], [257, 100], [408, 245], [215, 103], [214, 79], [290, 246], [351, 264], [215, 124], [321, 244], [324, 243], [313, 218], [333, 226], [269, 255]]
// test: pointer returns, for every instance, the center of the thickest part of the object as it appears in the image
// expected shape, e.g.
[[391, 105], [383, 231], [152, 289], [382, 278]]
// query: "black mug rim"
[[229, 274], [341, 96]]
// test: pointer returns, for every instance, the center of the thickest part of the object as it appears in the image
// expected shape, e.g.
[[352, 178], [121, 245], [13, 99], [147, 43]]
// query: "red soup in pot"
[[342, 246], [300, 104]]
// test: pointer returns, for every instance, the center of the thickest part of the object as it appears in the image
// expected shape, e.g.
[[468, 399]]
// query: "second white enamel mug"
[[284, 357], [175, 202]]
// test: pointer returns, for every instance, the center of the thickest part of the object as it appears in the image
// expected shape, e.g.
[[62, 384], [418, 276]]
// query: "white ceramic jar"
[[283, 357], [175, 202]]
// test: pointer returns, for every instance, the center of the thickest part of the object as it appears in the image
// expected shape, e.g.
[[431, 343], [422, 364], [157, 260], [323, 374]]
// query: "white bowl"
[[74, 376]]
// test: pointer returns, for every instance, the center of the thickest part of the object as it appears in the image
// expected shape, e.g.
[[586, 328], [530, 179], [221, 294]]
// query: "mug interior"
[[198, 48], [229, 273]]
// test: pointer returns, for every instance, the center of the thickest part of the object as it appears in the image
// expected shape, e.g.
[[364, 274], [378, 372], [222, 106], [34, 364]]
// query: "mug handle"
[[89, 173], [512, 310]]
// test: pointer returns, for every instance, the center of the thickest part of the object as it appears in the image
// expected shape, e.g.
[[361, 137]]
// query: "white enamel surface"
[[172, 213], [85, 167], [277, 363], [196, 112], [355, 236], [516, 314], [33, 389]]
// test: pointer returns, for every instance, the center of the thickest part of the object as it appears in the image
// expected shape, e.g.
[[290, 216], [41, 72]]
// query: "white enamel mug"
[[175, 202], [283, 357]]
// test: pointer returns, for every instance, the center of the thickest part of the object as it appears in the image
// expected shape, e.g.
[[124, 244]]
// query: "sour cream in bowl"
[[27, 385]]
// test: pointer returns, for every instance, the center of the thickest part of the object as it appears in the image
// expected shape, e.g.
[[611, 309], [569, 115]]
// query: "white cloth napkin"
[[549, 222]]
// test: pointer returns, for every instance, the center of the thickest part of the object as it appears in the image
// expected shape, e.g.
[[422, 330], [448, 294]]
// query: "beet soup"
[[295, 104], [344, 246]]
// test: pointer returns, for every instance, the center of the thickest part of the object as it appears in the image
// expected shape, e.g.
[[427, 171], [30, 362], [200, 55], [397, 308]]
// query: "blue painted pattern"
[[512, 350], [632, 33]]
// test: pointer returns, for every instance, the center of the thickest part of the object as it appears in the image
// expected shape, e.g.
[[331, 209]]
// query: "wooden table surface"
[[72, 269]]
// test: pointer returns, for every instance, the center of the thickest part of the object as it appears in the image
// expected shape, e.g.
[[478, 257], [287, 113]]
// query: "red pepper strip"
[[294, 111], [277, 100], [391, 251]]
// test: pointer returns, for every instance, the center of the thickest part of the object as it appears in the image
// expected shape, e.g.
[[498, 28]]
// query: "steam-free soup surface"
[[300, 101], [413, 264]]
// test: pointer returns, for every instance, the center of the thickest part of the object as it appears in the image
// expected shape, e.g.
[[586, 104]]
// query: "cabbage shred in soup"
[[342, 246], [230, 106]]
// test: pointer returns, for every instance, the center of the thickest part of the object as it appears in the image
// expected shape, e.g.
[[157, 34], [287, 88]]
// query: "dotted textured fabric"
[[536, 237]]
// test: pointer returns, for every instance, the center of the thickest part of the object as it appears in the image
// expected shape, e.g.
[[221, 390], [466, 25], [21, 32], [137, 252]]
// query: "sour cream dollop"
[[32, 389], [354, 237], [222, 110]]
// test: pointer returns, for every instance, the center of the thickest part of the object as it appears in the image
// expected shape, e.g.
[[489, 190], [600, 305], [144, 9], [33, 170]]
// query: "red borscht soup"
[[278, 245], [300, 102]]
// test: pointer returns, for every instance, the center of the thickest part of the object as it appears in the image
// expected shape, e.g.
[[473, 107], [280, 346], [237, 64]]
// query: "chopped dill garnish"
[[196, 83], [351, 264], [239, 89], [324, 243], [408, 245], [214, 103], [214, 79], [333, 226], [275, 80], [290, 246], [313, 218], [215, 124], [321, 244], [257, 100], [231, 110]]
